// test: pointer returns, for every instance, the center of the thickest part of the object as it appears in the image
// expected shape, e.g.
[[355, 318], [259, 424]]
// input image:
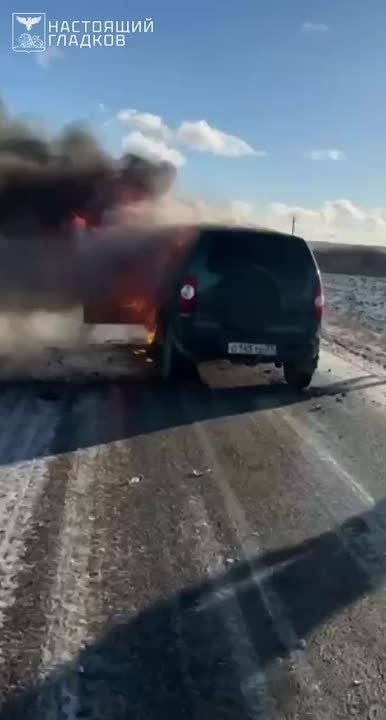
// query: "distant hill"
[[350, 259]]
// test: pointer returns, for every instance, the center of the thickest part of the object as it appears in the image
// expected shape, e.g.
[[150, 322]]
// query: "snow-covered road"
[[210, 551]]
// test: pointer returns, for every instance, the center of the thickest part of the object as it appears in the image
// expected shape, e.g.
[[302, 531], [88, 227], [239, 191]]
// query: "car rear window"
[[274, 252]]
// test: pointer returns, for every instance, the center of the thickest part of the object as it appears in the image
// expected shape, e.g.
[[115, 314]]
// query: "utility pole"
[[293, 224]]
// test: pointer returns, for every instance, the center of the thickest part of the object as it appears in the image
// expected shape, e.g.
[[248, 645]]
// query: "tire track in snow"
[[67, 621], [21, 487], [221, 603], [309, 688], [66, 617], [25, 623], [133, 670]]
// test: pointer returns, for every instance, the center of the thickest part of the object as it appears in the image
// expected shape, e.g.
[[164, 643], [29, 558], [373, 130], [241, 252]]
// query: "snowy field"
[[355, 316]]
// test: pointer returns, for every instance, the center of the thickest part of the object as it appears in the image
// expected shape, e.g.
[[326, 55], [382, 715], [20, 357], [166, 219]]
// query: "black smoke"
[[45, 180]]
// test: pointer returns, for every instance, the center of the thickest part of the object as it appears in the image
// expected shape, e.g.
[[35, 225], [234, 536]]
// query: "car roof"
[[250, 229], [224, 227]]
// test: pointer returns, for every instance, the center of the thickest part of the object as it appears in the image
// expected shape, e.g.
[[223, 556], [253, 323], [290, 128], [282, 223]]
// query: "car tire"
[[170, 364], [297, 376]]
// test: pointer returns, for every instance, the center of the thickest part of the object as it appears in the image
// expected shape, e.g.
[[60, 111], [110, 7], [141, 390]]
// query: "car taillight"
[[188, 294], [319, 299]]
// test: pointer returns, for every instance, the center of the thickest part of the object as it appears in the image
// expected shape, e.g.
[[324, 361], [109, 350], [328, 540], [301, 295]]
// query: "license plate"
[[235, 348]]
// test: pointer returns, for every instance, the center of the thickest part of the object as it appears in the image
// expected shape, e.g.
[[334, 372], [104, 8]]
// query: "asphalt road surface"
[[213, 551]]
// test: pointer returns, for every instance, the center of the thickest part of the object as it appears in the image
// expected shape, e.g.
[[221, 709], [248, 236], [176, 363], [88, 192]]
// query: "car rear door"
[[254, 284]]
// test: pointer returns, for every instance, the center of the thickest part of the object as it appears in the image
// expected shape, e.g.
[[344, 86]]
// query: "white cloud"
[[197, 135], [45, 59], [325, 155], [315, 27], [345, 209], [201, 136], [152, 148], [179, 210], [340, 220], [102, 107], [145, 122]]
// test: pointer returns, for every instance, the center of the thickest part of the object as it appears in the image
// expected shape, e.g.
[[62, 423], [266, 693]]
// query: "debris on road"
[[315, 408], [200, 473], [136, 480]]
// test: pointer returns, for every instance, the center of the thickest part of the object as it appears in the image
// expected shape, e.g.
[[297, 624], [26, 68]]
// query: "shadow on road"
[[86, 414], [363, 382], [176, 659]]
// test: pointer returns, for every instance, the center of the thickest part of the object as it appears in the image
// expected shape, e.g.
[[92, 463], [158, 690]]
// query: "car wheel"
[[170, 364], [297, 376]]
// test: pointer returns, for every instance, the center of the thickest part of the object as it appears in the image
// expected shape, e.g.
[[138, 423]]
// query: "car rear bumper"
[[210, 342]]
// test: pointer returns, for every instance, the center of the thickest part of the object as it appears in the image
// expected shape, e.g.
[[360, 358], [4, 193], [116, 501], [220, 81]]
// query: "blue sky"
[[249, 69]]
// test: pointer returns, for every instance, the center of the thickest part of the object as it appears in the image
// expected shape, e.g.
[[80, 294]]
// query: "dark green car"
[[249, 295]]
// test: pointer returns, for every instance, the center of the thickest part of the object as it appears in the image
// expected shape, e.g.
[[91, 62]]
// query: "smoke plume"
[[47, 273]]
